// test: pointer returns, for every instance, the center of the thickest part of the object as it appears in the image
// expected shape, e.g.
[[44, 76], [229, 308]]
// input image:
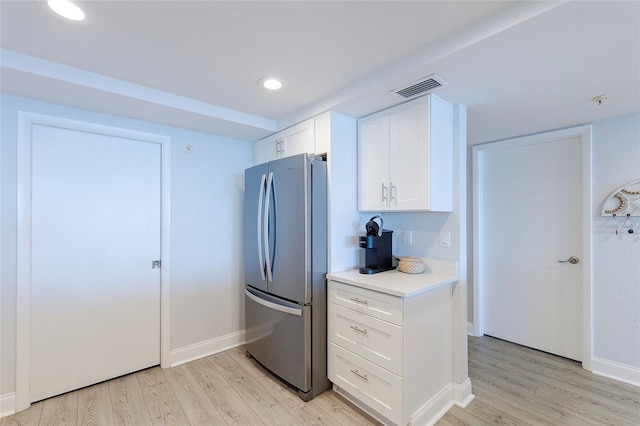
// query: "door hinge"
[[156, 264]]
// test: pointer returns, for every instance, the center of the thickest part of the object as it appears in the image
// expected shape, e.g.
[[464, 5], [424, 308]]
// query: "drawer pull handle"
[[362, 376], [359, 330], [363, 302]]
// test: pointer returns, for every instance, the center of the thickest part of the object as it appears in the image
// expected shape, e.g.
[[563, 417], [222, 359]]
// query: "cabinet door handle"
[[363, 302], [359, 374], [359, 330], [393, 189], [384, 193]]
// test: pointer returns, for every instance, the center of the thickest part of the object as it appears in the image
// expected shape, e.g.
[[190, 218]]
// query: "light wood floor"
[[513, 385]]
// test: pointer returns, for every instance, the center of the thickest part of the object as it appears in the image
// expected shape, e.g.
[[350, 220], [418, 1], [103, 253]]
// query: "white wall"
[[616, 258], [206, 223]]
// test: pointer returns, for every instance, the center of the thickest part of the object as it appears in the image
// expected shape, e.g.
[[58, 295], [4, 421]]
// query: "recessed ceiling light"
[[270, 83], [66, 9]]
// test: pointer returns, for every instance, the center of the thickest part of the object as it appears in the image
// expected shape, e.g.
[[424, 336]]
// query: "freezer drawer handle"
[[359, 330], [362, 302], [274, 306], [362, 376]]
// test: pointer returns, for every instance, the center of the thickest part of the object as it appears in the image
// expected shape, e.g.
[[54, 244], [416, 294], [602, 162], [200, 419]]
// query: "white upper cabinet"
[[373, 162], [405, 157], [295, 140]]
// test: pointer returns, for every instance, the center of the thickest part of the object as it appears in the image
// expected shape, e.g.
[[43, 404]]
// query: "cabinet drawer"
[[374, 386], [378, 305], [375, 340]]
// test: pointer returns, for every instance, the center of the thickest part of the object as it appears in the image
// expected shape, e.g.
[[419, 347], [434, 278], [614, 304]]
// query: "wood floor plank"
[[153, 384], [591, 411], [266, 407], [94, 406], [28, 417], [160, 400], [60, 405], [232, 408], [312, 414], [127, 402], [167, 411], [527, 406], [215, 421], [68, 418], [340, 410], [197, 407], [278, 389]]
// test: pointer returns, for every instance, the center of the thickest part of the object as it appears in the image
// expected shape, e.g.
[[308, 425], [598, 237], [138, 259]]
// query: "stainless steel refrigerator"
[[285, 243]]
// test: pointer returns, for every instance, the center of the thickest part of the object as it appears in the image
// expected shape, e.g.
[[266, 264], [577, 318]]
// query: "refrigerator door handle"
[[259, 240], [274, 306], [267, 255]]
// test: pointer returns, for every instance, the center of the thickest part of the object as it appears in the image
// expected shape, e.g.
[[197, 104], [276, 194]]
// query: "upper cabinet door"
[[373, 162], [405, 157], [409, 157], [298, 139], [267, 149]]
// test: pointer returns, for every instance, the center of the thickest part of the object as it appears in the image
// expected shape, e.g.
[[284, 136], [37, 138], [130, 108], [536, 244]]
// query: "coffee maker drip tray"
[[370, 271]]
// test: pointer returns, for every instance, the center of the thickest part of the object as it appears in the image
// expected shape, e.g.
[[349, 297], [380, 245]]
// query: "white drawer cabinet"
[[369, 337], [375, 386], [391, 355], [373, 303]]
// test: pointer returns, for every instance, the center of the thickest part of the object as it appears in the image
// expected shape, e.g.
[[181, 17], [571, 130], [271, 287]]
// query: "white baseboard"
[[462, 394], [470, 328], [206, 348], [613, 370], [7, 404], [437, 407]]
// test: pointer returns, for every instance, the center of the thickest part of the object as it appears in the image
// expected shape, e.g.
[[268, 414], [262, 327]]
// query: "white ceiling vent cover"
[[421, 86]]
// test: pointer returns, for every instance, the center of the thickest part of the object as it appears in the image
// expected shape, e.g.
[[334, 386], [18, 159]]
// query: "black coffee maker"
[[376, 243]]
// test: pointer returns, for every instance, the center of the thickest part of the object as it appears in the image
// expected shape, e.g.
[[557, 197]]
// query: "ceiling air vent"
[[421, 86]]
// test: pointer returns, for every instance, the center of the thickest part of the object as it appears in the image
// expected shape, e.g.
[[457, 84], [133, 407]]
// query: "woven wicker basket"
[[410, 265]]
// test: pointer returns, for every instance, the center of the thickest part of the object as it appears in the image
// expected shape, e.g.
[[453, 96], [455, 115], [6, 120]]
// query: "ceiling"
[[519, 66]]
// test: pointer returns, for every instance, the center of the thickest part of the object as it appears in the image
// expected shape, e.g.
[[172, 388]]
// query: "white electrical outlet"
[[407, 237], [445, 239]]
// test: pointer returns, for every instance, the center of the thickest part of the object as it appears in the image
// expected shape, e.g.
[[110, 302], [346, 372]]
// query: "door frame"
[[26, 120], [584, 133]]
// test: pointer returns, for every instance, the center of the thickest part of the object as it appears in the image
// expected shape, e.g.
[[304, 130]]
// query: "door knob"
[[572, 260]]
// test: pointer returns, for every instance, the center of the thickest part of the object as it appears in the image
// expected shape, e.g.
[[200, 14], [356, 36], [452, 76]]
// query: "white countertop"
[[437, 273]]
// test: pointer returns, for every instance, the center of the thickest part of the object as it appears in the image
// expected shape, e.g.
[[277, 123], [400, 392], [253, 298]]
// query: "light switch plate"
[[445, 239], [407, 237]]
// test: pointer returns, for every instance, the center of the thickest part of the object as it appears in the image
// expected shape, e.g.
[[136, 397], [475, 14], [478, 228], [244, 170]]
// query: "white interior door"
[[95, 299], [532, 218]]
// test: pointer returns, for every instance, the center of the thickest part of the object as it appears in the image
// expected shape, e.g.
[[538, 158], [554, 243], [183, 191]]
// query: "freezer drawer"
[[275, 323]]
